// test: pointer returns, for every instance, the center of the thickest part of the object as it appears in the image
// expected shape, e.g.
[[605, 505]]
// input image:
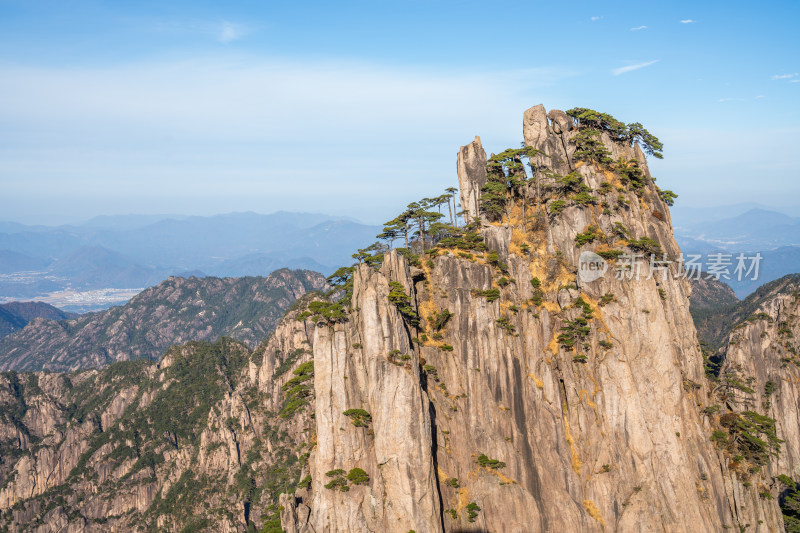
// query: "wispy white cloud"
[[596, 18], [785, 76], [223, 31], [637, 28], [231, 122], [760, 96], [688, 21], [794, 81], [229, 32], [637, 66]]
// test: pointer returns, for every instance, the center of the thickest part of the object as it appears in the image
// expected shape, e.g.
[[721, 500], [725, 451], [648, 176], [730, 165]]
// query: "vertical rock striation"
[[354, 370], [762, 350], [489, 383], [544, 402], [471, 167]]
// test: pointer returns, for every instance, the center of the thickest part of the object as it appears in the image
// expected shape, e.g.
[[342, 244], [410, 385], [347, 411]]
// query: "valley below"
[[77, 301]]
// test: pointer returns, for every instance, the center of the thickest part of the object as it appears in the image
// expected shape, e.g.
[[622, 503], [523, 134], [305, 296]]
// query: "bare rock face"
[[543, 402], [534, 126], [370, 364], [489, 384], [471, 166], [762, 352], [560, 122]]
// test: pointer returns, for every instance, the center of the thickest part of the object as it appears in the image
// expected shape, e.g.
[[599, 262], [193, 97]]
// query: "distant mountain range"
[[17, 262], [756, 229], [137, 251], [734, 230], [16, 315], [683, 215], [176, 311]]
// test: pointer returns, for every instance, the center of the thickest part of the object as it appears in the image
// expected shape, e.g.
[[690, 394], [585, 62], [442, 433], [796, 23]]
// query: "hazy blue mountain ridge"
[[16, 315], [133, 251], [773, 234]]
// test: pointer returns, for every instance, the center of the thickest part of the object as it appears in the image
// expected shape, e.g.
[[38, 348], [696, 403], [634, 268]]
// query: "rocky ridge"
[[761, 359], [543, 402], [716, 317], [175, 311], [206, 439], [710, 292], [475, 382], [16, 315]]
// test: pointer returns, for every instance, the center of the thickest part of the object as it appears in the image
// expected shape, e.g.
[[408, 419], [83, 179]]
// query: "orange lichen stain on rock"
[[427, 308], [584, 395], [614, 180], [539, 382], [576, 460], [597, 311], [505, 306], [517, 239], [462, 498], [505, 479], [551, 307], [553, 344], [594, 512], [594, 382], [562, 279]]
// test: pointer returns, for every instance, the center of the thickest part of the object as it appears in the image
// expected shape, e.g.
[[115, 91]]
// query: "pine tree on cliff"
[[451, 195], [618, 131]]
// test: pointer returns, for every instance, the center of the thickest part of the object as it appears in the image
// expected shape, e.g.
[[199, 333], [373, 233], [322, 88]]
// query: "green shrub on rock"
[[494, 464], [360, 417], [357, 476], [472, 511], [398, 296]]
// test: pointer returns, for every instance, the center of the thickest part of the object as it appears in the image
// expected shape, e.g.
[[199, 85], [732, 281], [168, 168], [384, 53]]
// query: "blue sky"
[[358, 108]]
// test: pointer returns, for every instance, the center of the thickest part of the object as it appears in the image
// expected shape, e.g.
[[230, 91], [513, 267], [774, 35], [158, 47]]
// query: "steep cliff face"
[[763, 353], [497, 377], [527, 398], [176, 311], [206, 439]]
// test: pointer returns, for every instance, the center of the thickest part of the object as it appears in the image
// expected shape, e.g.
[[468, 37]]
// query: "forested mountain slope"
[[173, 312]]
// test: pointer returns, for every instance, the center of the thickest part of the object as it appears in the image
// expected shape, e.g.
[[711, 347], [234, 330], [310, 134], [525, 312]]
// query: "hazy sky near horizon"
[[358, 108]]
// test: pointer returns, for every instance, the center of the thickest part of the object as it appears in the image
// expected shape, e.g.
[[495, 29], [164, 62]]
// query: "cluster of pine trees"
[[512, 175]]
